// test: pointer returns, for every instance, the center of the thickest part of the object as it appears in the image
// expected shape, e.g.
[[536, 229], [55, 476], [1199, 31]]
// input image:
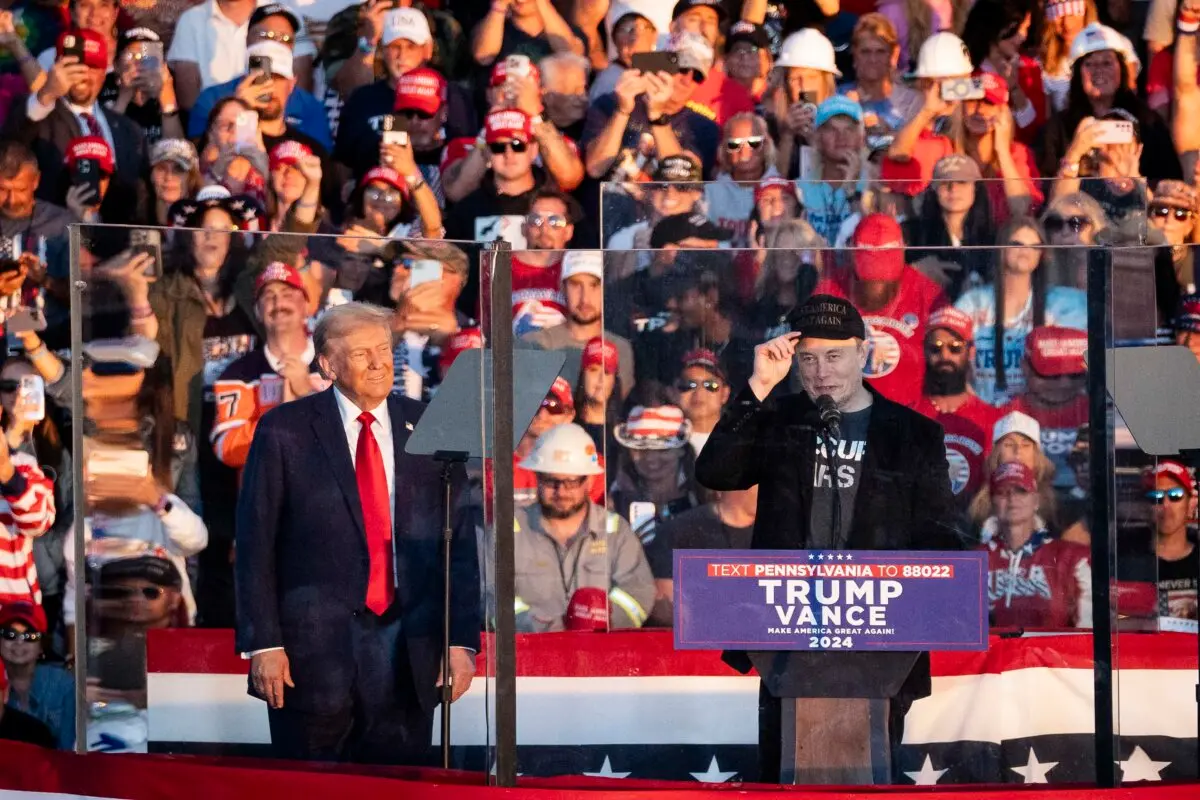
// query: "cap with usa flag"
[[655, 428]]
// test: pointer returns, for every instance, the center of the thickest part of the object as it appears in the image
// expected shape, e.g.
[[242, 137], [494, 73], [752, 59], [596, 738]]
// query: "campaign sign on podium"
[[867, 600]]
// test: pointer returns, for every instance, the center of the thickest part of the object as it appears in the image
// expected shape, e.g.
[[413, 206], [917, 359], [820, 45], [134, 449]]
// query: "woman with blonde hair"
[[916, 20], [1064, 20], [789, 265], [887, 103], [1016, 438]]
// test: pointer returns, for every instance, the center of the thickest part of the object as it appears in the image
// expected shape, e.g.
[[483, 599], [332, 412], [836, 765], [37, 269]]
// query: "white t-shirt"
[[730, 205], [209, 39], [1065, 307]]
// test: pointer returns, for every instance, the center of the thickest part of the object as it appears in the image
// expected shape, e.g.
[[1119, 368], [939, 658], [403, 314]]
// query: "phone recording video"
[[87, 173], [657, 61], [261, 65], [150, 243]]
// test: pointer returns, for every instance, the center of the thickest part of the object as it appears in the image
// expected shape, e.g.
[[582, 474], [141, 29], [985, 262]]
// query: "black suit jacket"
[[302, 562], [50, 138], [903, 502]]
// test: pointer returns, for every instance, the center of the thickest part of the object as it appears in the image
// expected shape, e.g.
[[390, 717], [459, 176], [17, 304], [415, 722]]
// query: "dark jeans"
[[381, 721]]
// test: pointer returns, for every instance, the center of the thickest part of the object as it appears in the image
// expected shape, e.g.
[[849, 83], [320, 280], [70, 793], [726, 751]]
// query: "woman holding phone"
[[145, 87]]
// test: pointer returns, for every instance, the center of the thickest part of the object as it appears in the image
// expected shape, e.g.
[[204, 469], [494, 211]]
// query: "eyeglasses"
[[128, 592], [283, 38], [562, 483], [1180, 214], [556, 221], [956, 347], [733, 145], [744, 49], [381, 196], [14, 635], [8, 385], [1158, 496], [691, 386], [554, 406], [414, 113], [498, 148], [1054, 223]]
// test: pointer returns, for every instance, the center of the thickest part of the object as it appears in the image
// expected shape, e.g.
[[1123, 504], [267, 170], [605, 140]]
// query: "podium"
[[836, 711]]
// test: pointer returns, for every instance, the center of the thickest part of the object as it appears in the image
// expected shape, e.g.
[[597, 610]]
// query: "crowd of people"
[[674, 179]]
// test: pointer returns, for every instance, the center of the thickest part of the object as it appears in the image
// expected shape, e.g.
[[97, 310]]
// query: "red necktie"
[[90, 126], [377, 515]]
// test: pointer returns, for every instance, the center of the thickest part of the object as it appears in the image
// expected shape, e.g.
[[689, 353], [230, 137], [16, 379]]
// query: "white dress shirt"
[[382, 428]]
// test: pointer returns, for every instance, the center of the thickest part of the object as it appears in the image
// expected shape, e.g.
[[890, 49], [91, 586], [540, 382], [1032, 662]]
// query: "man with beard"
[[579, 566], [948, 399], [895, 300], [748, 156], [583, 296], [271, 99], [1055, 394], [537, 272], [66, 108]]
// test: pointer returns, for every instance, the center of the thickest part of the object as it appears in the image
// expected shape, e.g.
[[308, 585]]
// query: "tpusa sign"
[[830, 600]]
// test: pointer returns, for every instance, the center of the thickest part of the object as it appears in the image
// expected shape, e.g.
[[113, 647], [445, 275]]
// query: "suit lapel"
[[332, 437]]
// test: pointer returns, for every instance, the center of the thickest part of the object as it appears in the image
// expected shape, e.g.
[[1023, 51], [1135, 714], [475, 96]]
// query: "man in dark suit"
[[892, 487], [338, 568], [66, 108]]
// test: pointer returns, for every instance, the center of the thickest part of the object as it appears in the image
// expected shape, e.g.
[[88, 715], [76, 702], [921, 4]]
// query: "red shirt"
[[968, 441], [896, 364], [1160, 78], [537, 299], [1027, 168], [1046, 584], [719, 97]]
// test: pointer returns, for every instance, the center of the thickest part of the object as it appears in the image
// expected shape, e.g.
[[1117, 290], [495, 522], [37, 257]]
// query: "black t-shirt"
[[1178, 582], [850, 451], [17, 726], [696, 133], [149, 116], [696, 529]]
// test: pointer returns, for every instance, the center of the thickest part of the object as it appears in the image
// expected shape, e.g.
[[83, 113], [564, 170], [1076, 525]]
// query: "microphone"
[[831, 416]]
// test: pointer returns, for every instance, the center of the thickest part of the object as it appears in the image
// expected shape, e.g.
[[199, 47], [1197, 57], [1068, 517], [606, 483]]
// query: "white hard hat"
[[943, 56], [564, 450], [1096, 38], [808, 48]]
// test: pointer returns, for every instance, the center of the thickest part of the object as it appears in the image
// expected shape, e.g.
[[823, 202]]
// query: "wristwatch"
[[365, 46], [414, 182], [1068, 169], [657, 122], [170, 111]]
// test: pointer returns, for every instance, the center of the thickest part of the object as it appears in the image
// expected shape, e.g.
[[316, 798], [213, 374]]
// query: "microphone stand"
[[833, 435], [447, 458]]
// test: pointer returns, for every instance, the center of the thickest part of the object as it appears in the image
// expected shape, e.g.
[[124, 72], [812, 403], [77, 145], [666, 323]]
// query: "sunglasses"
[[8, 385], [1055, 223], [381, 196], [956, 347], [284, 38], [556, 221], [413, 113], [562, 483], [13, 635], [554, 406], [691, 386], [516, 145], [1180, 214], [129, 592], [733, 145], [1158, 496]]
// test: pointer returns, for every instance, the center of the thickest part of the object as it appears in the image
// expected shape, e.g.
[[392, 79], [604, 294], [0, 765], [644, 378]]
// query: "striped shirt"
[[26, 512]]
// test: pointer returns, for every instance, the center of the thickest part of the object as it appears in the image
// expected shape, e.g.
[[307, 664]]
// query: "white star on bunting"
[[1140, 767], [606, 771], [1034, 771], [927, 776], [713, 774]]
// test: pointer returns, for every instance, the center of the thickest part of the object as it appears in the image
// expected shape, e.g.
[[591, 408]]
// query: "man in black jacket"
[[893, 489]]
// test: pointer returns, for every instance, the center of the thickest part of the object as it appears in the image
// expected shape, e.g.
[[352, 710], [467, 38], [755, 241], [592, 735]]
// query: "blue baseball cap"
[[838, 106]]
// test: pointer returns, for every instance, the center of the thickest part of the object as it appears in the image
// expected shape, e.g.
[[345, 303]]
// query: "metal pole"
[[78, 497], [498, 258], [1101, 472]]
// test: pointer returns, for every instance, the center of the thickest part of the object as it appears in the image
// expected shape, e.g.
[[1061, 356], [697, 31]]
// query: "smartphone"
[[72, 45], [261, 65], [424, 270], [31, 397], [149, 242], [127, 463], [245, 135], [808, 98], [25, 319], [1114, 131], [518, 66], [395, 137], [956, 90], [87, 172], [641, 516], [657, 61]]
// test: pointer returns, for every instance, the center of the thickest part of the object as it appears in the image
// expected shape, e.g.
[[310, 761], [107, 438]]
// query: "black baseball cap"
[[132, 36], [688, 225], [275, 10], [154, 569], [684, 6], [824, 316], [743, 31]]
